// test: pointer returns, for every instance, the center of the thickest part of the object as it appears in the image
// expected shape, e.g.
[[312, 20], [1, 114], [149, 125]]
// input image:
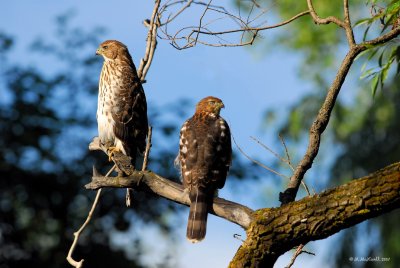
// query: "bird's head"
[[211, 105], [111, 49]]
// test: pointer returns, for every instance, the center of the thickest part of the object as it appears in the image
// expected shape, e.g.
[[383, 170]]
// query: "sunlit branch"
[[151, 43], [319, 20], [154, 183]]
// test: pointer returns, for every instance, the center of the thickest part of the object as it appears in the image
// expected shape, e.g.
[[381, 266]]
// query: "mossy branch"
[[277, 230]]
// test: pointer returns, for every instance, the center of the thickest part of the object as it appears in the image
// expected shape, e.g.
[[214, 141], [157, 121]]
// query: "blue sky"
[[248, 81]]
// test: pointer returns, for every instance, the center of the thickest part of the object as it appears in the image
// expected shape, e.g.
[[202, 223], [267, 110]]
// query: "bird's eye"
[[212, 102], [105, 47]]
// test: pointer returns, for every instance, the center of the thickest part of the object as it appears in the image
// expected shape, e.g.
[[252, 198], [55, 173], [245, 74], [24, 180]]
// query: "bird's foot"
[[110, 152]]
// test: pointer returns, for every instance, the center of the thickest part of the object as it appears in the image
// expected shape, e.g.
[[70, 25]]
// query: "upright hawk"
[[205, 155], [122, 108]]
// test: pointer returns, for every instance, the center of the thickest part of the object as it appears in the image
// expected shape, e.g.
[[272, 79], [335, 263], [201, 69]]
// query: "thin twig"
[[193, 37], [201, 21], [287, 161], [286, 151], [258, 28], [147, 151], [170, 19], [257, 162], [272, 152], [70, 259], [298, 251]]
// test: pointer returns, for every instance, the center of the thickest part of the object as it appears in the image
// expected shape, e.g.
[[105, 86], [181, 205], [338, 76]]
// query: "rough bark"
[[277, 230], [273, 231]]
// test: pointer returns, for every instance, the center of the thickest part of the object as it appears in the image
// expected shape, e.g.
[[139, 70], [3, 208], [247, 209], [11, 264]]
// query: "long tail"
[[197, 222]]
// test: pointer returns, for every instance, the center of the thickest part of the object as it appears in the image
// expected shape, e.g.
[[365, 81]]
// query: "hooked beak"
[[98, 51]]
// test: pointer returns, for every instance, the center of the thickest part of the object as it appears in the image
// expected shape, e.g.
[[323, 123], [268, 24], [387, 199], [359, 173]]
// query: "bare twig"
[[301, 14], [287, 161], [286, 151], [129, 194], [201, 21], [273, 152], [257, 162], [70, 259], [171, 18], [151, 43], [238, 237], [147, 151], [298, 251], [191, 35]]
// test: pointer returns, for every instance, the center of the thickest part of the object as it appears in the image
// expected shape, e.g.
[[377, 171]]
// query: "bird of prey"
[[205, 155], [122, 108]]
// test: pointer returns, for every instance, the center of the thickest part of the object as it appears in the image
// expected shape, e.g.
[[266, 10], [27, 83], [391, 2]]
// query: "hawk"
[[205, 155], [122, 108]]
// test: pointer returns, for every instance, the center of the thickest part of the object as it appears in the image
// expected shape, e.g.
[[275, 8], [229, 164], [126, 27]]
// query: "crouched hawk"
[[122, 109], [205, 155]]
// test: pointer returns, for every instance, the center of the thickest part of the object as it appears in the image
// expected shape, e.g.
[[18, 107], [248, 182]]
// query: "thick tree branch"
[[152, 182], [277, 230]]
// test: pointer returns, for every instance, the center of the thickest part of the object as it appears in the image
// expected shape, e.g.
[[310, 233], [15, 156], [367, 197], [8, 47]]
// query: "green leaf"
[[393, 7], [363, 21], [368, 73], [374, 84], [380, 59]]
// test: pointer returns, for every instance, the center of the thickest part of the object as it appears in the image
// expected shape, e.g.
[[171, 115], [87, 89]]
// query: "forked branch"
[[323, 117], [152, 182]]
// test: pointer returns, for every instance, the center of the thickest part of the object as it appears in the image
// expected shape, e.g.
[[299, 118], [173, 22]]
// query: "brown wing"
[[130, 112], [205, 152], [222, 154]]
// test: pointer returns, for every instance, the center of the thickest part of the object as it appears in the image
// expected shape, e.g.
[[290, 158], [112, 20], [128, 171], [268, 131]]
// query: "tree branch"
[[322, 120], [152, 182], [151, 43], [319, 20], [277, 230]]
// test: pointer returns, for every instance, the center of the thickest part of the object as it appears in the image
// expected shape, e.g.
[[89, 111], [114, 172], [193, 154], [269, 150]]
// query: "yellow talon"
[[110, 151]]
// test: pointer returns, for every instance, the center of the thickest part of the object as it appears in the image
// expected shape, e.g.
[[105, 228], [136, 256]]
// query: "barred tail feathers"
[[197, 221]]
